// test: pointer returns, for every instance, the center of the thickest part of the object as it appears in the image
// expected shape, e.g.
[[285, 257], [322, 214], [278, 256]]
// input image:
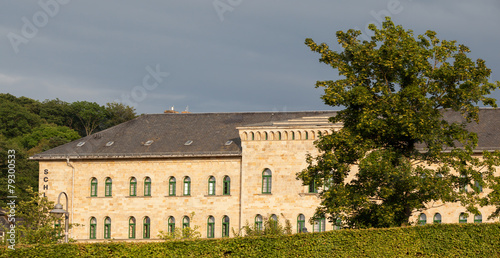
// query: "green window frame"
[[210, 227], [147, 186], [211, 185], [422, 219], [258, 222], [171, 225], [133, 187], [437, 218], [313, 187], [93, 187], [462, 218], [107, 228], [187, 186], [171, 186], [146, 227], [131, 228], [267, 180], [185, 222], [301, 223], [225, 226], [108, 187], [92, 228], [478, 218], [273, 220], [338, 224], [226, 187], [319, 225]]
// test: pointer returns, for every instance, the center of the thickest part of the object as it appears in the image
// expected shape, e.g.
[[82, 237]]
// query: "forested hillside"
[[29, 126]]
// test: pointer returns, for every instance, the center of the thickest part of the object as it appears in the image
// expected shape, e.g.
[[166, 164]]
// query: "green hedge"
[[444, 240]]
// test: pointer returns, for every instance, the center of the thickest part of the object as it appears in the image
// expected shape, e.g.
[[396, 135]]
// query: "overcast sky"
[[213, 56]]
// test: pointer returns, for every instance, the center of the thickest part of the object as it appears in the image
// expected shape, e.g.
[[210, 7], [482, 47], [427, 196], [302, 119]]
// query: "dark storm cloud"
[[253, 59]]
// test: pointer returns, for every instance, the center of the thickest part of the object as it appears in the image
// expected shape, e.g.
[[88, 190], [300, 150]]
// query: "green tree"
[[26, 171], [34, 223], [395, 141], [89, 116], [48, 136], [117, 113]]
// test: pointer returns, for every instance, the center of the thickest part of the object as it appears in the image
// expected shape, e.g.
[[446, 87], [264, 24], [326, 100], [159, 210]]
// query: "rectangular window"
[[319, 225]]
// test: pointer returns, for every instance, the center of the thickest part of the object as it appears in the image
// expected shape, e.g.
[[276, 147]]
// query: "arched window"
[[93, 226], [301, 223], [306, 136], [258, 222], [210, 227], [422, 219], [131, 228], [147, 186], [319, 224], [108, 186], [187, 186], [107, 228], [133, 187], [185, 222], [171, 186], [273, 220], [171, 225], [211, 186], [267, 179], [265, 136], [226, 189], [225, 226], [146, 228], [293, 135], [279, 136], [253, 136], [462, 218], [478, 218], [437, 218], [93, 187]]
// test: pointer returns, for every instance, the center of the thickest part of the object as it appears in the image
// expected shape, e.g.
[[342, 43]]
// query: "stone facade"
[[276, 147]]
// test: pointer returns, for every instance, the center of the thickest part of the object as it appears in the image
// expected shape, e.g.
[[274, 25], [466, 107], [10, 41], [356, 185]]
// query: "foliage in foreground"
[[395, 89], [437, 240], [37, 225]]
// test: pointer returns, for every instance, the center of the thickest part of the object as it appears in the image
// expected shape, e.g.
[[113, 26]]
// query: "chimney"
[[171, 111]]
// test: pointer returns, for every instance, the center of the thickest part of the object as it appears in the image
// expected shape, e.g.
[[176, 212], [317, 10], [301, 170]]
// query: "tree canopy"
[[29, 126], [395, 153]]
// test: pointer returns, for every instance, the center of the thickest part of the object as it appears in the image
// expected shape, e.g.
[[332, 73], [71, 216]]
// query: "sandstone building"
[[214, 170]]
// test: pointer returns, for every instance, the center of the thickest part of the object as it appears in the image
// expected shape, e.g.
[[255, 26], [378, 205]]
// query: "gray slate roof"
[[208, 132]]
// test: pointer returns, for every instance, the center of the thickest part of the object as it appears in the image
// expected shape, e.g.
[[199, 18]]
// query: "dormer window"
[[229, 142], [80, 144], [188, 143], [109, 143], [148, 143]]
